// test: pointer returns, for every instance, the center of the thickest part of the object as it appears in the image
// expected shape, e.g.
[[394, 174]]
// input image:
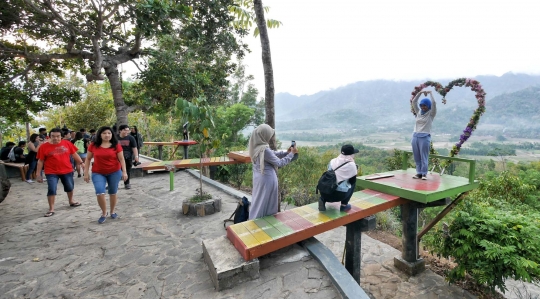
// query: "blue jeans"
[[420, 149], [112, 179], [52, 182], [31, 168]]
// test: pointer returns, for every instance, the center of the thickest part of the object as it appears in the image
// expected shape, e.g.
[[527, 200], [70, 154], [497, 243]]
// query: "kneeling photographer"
[[129, 146]]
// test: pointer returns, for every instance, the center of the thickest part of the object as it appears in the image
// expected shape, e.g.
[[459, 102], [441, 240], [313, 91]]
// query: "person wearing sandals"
[[55, 156], [421, 139], [346, 171], [108, 168]]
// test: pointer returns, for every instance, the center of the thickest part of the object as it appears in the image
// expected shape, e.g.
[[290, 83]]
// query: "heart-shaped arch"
[[475, 118]]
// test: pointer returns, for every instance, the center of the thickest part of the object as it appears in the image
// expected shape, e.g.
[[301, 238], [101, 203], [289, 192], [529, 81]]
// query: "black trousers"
[[343, 197], [129, 164]]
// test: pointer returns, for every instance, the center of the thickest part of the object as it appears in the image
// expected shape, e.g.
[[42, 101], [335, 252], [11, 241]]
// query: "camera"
[[135, 163], [293, 143]]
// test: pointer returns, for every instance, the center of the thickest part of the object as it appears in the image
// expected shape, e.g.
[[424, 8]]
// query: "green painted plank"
[[331, 211], [268, 229], [376, 200], [284, 229]]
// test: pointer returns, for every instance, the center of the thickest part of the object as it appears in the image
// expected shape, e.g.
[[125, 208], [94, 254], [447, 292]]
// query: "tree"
[[245, 17], [193, 61], [91, 35], [200, 117], [96, 110]]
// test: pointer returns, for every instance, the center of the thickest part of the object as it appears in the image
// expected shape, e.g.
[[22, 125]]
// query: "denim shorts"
[[52, 182], [82, 155], [112, 179]]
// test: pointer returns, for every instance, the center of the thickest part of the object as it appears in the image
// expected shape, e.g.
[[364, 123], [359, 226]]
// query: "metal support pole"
[[171, 169], [353, 247], [409, 221]]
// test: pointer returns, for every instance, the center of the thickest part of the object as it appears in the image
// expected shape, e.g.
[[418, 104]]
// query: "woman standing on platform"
[[421, 139], [108, 168], [265, 164]]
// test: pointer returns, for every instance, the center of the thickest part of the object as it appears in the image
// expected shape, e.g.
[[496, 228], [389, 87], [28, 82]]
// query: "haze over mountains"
[[512, 100]]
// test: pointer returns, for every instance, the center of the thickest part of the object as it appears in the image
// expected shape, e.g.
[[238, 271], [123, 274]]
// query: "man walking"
[[129, 145], [56, 157]]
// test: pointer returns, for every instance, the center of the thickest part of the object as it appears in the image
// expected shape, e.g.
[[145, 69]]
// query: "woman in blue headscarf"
[[421, 139]]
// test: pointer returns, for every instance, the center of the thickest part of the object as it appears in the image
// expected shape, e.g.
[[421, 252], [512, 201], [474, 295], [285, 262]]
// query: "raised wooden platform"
[[261, 236], [187, 163], [401, 184], [21, 166]]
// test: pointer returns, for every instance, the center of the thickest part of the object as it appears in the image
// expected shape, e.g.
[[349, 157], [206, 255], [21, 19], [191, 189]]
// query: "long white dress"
[[264, 198]]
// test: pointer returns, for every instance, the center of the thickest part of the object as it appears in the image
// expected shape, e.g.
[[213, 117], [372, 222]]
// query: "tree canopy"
[[92, 36]]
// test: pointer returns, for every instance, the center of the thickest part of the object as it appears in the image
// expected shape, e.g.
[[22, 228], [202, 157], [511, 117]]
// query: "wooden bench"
[[22, 168], [254, 238], [184, 143], [231, 158]]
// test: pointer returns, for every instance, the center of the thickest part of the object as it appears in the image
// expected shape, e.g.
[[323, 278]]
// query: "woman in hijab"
[[346, 171], [421, 138], [265, 164]]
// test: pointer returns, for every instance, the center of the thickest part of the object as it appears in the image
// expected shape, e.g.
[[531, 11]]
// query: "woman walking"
[[80, 144], [108, 168], [265, 164], [421, 139], [31, 158]]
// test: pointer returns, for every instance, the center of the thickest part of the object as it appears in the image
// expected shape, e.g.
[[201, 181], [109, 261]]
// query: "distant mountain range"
[[512, 99]]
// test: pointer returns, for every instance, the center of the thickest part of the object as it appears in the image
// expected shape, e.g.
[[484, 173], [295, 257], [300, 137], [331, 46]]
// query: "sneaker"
[[114, 215], [102, 219], [128, 186], [418, 176], [322, 206], [345, 208], [29, 181], [78, 175], [424, 177]]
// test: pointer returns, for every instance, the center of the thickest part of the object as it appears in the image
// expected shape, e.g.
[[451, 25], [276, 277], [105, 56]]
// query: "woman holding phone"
[[265, 164]]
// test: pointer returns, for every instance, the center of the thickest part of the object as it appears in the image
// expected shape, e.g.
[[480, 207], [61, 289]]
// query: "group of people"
[[113, 153], [110, 154], [265, 162]]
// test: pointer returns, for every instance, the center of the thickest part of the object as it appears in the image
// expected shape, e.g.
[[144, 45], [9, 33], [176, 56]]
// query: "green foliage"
[[191, 62], [494, 234], [492, 245], [96, 110], [245, 16]]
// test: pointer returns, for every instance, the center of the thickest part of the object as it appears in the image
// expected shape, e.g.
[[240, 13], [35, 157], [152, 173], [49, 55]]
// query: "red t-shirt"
[[56, 157], [105, 159]]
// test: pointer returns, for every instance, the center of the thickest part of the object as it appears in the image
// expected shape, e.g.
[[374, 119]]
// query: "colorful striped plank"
[[187, 163], [254, 238]]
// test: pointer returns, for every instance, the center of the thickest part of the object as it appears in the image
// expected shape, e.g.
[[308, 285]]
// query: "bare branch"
[[134, 62], [23, 73]]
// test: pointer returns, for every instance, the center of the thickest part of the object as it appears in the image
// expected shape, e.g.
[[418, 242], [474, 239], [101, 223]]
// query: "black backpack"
[[328, 181], [241, 213]]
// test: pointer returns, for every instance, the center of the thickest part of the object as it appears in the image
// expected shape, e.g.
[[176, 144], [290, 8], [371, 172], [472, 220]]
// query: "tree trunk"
[[27, 125], [267, 66], [111, 71]]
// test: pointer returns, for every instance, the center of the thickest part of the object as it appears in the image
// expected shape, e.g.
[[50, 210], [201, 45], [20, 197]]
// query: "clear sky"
[[327, 44]]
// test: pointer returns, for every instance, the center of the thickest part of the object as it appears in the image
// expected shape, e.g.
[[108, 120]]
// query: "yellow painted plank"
[[257, 232], [243, 233], [363, 204], [316, 215], [185, 161]]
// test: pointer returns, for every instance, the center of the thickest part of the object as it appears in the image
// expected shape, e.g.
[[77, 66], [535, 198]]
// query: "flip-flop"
[[76, 204], [48, 214]]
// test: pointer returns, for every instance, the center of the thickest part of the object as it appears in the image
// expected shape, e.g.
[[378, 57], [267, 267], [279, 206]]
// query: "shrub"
[[491, 245]]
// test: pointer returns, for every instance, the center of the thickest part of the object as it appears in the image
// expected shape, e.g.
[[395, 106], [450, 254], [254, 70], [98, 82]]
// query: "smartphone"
[[293, 143]]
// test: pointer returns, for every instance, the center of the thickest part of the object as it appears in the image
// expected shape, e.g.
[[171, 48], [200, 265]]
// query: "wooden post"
[[353, 248], [160, 152]]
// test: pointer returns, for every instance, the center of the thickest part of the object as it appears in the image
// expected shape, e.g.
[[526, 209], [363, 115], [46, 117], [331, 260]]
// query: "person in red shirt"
[[108, 168], [56, 154]]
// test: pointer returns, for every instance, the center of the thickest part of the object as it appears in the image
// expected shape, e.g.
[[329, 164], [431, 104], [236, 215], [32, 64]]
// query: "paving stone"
[[154, 251]]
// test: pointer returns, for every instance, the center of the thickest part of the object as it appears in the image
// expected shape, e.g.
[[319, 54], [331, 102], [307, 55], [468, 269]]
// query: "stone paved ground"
[[152, 251]]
